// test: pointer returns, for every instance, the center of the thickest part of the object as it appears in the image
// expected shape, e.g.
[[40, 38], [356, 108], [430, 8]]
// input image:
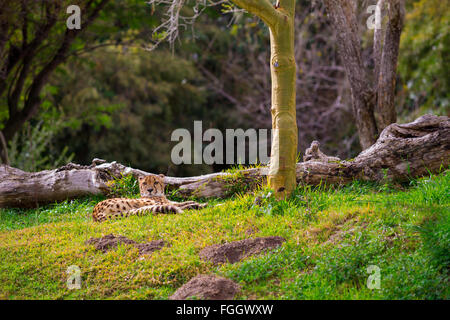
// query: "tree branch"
[[263, 9]]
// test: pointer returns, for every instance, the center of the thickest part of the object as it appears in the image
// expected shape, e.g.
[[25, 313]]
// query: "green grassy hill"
[[333, 235]]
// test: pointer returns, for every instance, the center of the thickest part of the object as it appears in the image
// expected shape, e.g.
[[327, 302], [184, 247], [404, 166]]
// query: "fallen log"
[[402, 151]]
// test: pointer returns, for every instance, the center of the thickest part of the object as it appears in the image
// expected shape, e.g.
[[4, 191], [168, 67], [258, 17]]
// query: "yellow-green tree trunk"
[[284, 122], [280, 19]]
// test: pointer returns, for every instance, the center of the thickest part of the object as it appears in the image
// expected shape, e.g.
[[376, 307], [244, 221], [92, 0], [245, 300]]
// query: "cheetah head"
[[152, 185]]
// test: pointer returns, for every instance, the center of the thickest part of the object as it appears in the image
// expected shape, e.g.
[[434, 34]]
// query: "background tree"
[[129, 102], [108, 86], [24, 70], [373, 90], [35, 41]]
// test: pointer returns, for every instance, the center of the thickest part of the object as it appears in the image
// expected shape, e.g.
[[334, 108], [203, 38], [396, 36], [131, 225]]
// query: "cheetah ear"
[[161, 175], [140, 178]]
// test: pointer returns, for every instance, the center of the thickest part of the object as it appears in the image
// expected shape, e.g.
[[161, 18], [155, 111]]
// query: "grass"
[[333, 234]]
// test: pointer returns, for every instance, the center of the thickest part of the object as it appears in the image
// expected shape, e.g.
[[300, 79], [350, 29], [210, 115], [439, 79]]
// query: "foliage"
[[32, 149], [424, 52], [325, 257], [129, 104], [36, 40], [124, 187]]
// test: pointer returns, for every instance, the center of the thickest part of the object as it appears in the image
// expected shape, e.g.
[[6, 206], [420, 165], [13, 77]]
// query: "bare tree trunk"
[[3, 150], [343, 16], [373, 102], [281, 175], [386, 78], [280, 20], [402, 152]]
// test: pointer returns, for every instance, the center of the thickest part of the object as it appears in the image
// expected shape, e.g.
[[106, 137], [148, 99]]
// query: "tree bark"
[[343, 17], [386, 77], [402, 152], [373, 101]]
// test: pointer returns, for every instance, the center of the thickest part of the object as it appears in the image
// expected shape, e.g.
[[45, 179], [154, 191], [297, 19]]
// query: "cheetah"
[[152, 200]]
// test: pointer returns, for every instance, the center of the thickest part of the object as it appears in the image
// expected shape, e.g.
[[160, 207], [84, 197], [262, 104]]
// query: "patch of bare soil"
[[111, 241], [236, 251], [208, 288]]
